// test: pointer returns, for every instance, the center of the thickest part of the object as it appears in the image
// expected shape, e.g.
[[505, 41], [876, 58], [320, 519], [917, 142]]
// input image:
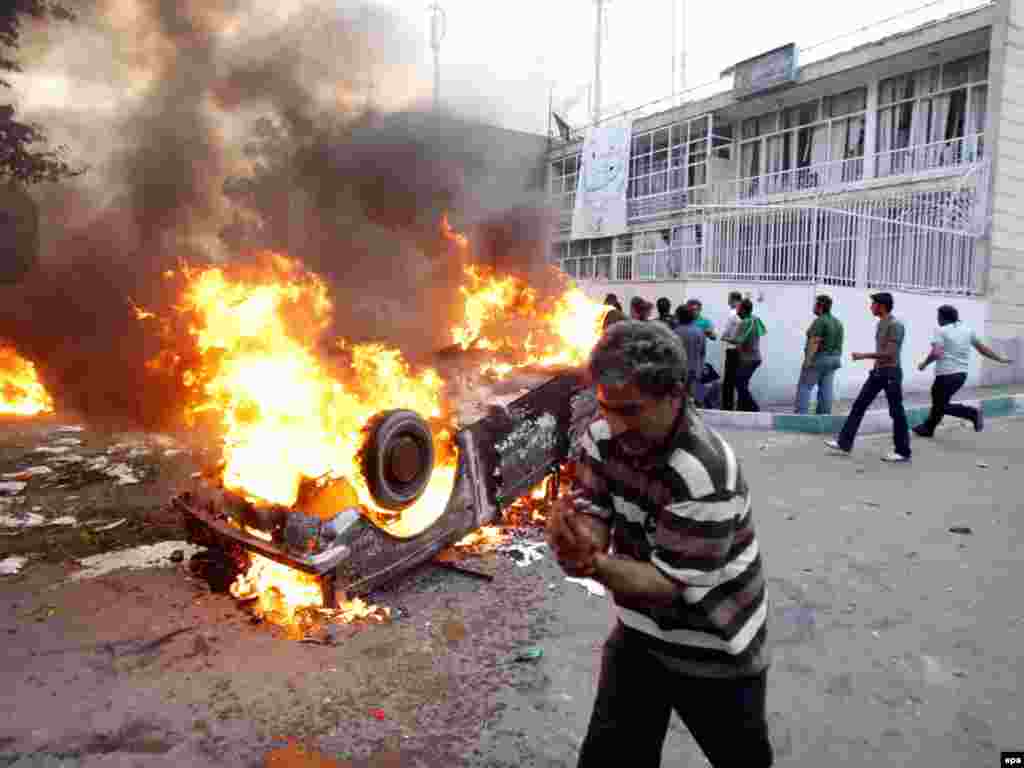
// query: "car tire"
[[397, 458]]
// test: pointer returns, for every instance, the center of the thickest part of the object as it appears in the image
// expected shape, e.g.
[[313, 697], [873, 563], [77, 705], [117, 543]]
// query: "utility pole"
[[598, 35], [438, 26], [678, 50]]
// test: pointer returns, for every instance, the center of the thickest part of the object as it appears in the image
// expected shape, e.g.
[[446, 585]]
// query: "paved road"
[[896, 642]]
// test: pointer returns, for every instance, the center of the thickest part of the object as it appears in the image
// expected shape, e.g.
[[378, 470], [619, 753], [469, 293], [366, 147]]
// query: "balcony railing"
[[832, 174], [922, 158]]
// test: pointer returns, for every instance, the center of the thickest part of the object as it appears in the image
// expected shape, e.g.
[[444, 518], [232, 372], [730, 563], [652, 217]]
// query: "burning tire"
[[397, 458]]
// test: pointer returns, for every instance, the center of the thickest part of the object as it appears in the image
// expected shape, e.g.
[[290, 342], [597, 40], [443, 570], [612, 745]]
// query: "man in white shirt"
[[732, 355], [951, 352]]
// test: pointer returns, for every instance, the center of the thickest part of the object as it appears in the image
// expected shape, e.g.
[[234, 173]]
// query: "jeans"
[[732, 361], [821, 375], [746, 401], [943, 389], [636, 694], [889, 380], [695, 387]]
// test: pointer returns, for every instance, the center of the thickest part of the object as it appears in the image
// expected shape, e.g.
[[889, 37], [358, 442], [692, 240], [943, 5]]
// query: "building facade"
[[897, 165]]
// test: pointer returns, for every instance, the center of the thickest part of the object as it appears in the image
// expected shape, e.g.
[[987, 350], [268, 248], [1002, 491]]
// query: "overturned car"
[[500, 458]]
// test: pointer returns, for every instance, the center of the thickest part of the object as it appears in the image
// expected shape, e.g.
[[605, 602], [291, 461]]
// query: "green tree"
[[24, 155]]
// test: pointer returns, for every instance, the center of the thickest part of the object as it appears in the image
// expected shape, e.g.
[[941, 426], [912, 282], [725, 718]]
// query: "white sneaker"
[[835, 447], [895, 458]]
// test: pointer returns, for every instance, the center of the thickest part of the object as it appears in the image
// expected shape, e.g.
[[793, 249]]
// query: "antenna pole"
[[598, 34], [438, 27]]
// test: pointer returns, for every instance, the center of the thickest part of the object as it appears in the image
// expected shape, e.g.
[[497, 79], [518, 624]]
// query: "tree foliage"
[[23, 152]]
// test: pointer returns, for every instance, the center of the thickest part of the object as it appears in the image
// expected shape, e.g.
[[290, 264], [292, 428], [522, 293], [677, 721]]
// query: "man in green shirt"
[[822, 358], [695, 306]]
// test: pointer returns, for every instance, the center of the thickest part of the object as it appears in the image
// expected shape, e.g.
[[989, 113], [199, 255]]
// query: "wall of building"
[[787, 312], [1006, 125]]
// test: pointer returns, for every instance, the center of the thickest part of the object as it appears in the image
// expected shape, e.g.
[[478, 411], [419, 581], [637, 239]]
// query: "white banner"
[[601, 185]]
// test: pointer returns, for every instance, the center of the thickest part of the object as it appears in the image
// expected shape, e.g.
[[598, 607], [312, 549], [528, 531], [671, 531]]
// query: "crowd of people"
[[822, 357], [660, 514]]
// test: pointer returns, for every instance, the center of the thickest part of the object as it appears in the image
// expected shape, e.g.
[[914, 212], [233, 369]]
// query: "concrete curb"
[[875, 421]]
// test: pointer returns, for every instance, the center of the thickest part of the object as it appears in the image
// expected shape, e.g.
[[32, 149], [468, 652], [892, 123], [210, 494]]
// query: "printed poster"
[[601, 185]]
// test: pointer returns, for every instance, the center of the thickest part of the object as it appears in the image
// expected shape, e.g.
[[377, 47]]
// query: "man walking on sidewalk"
[[887, 376], [822, 358], [951, 350]]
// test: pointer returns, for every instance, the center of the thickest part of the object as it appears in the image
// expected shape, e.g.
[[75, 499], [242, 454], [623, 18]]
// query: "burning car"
[[345, 551]]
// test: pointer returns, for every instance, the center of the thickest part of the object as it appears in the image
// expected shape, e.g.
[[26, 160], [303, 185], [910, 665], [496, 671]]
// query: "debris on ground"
[[961, 529], [102, 525], [9, 566], [593, 587], [146, 556], [982, 465], [12, 487], [28, 473], [533, 653]]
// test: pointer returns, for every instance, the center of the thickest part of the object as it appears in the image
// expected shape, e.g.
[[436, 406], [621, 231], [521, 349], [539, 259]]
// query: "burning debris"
[[21, 391]]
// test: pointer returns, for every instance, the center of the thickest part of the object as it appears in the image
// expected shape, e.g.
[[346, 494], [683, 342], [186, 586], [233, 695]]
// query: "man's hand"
[[574, 542], [857, 356]]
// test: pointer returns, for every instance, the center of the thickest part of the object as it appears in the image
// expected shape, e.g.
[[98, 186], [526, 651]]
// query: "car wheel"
[[397, 458]]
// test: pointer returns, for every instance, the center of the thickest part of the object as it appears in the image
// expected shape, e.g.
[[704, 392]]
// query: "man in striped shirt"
[[661, 517]]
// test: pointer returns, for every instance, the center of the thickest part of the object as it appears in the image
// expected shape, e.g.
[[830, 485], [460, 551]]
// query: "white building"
[[897, 165]]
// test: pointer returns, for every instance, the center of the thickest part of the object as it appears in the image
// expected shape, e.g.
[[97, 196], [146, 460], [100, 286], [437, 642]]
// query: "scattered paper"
[[123, 474], [147, 556], [12, 565], [52, 450], [64, 520], [173, 451], [109, 526], [136, 453], [12, 487], [67, 441], [593, 587], [28, 473], [69, 428], [524, 554], [27, 520]]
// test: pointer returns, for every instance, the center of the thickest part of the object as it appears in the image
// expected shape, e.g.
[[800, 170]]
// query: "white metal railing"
[[954, 153], [918, 241], [834, 174]]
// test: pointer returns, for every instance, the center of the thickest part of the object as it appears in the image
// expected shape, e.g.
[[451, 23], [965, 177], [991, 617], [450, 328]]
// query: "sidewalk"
[[1004, 400]]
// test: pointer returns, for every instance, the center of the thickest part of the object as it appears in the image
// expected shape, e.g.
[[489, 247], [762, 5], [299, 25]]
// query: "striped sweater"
[[687, 511]]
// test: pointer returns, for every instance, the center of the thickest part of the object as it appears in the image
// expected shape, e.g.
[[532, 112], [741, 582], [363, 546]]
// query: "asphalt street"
[[895, 640]]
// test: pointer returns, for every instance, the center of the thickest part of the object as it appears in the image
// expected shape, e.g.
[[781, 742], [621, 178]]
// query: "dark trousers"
[[635, 698], [744, 372], [732, 361], [890, 381], [943, 390]]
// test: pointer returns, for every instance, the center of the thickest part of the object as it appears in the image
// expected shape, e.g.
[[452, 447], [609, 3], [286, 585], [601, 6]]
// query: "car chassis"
[[500, 458]]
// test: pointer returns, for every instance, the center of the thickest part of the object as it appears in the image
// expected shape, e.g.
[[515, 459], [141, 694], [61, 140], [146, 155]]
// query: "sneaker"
[[920, 431], [979, 421], [833, 445], [895, 458]]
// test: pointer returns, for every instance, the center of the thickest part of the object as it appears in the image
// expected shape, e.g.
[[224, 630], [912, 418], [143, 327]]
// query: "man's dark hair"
[[735, 296], [694, 303], [884, 298], [664, 306], [746, 307], [648, 355], [948, 314], [641, 306], [611, 300], [684, 314], [615, 316], [825, 302]]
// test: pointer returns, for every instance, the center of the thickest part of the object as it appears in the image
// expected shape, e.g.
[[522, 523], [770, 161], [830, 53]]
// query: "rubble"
[[146, 556], [12, 565], [12, 487]]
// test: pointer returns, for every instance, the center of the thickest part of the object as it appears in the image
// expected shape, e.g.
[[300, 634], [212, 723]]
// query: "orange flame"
[[21, 391], [503, 314]]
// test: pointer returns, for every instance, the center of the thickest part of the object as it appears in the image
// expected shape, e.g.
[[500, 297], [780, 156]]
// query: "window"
[[932, 118], [564, 174], [804, 146], [667, 162]]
